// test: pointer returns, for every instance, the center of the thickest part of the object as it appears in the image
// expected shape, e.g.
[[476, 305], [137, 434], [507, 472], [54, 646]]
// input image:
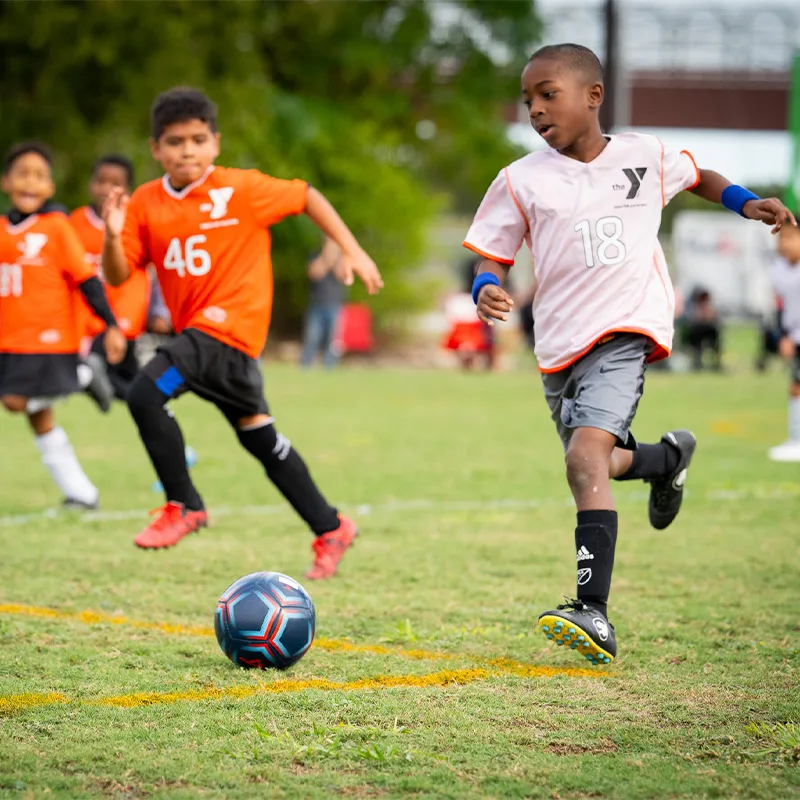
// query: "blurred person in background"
[[770, 334], [43, 273], [325, 297], [468, 336], [701, 330], [129, 301], [786, 281]]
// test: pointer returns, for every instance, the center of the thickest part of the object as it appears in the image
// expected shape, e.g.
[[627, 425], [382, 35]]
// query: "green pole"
[[793, 190]]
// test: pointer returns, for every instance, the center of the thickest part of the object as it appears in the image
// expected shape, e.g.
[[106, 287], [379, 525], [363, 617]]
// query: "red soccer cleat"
[[329, 549], [173, 523]]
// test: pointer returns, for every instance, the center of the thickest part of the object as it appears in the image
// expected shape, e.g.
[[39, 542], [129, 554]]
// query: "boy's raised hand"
[[770, 211], [359, 263], [494, 302], [114, 211]]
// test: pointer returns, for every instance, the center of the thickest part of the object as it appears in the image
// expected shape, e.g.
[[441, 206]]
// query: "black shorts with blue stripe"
[[195, 362]]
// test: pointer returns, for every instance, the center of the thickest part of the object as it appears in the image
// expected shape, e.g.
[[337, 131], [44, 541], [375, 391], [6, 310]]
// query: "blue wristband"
[[482, 279], [734, 197]]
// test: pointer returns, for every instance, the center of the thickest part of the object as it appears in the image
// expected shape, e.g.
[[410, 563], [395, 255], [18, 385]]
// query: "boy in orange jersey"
[[206, 230], [129, 301], [42, 265]]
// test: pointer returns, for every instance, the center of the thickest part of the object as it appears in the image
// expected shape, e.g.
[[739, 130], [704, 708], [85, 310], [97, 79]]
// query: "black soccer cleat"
[[583, 628], [99, 388], [666, 494]]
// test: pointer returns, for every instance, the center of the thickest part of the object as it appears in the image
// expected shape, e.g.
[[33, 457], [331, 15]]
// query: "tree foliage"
[[392, 108]]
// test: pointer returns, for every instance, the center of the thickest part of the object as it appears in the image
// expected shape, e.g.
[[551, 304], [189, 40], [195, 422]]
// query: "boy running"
[[42, 267], [589, 209], [206, 230]]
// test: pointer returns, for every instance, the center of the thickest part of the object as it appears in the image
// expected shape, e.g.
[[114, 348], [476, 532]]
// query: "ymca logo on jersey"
[[32, 245], [218, 208], [635, 176]]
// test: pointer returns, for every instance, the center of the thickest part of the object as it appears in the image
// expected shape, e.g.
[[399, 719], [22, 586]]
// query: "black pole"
[[608, 110]]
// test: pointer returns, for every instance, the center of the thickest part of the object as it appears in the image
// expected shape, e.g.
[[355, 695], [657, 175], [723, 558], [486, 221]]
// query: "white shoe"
[[788, 451]]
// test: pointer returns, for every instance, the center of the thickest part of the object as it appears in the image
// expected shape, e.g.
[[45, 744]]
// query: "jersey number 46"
[[187, 258]]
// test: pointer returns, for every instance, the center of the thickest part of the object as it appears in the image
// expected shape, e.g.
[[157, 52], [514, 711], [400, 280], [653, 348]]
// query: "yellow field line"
[[496, 665], [14, 703]]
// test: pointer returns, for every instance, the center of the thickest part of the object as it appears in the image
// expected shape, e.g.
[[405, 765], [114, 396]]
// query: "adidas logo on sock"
[[584, 554]]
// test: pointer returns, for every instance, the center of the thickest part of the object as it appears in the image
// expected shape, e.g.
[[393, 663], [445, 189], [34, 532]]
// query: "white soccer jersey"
[[786, 280], [592, 230]]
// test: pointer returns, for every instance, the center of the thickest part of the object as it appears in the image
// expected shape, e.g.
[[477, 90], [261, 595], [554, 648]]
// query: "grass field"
[[427, 678]]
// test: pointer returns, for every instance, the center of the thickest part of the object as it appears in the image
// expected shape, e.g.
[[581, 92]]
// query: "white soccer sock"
[[84, 375], [59, 457], [794, 419]]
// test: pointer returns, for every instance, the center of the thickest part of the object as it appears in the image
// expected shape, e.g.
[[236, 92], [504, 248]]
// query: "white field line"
[[784, 492]]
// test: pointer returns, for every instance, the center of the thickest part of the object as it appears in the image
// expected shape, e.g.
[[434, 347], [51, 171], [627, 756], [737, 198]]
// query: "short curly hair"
[[181, 104]]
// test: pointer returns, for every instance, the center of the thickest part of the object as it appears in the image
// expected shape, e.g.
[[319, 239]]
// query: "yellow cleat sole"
[[567, 634]]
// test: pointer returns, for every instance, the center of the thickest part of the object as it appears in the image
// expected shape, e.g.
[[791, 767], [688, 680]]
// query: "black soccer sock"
[[595, 542], [287, 470], [163, 440], [652, 461]]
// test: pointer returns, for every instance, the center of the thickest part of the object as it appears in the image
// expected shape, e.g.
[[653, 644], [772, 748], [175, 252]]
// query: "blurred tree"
[[393, 108]]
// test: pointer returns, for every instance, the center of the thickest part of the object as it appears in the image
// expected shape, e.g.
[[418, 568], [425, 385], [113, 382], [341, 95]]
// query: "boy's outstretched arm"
[[492, 300], [113, 261], [717, 189], [354, 259]]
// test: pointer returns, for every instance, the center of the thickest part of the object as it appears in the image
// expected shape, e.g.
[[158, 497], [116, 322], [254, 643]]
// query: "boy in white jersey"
[[589, 209], [786, 280]]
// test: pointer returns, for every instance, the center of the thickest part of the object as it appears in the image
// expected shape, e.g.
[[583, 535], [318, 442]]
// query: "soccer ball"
[[265, 621]]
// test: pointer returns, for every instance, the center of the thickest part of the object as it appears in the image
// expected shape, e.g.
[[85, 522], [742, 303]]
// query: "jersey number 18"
[[610, 249]]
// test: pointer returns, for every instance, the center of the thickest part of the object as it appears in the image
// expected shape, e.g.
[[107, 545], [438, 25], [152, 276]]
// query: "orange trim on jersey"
[[660, 352], [514, 198], [658, 272], [696, 169], [487, 255]]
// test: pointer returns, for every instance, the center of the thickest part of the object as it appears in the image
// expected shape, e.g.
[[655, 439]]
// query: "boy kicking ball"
[[589, 209]]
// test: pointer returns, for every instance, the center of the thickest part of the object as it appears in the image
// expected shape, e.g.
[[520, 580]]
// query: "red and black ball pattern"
[[265, 620]]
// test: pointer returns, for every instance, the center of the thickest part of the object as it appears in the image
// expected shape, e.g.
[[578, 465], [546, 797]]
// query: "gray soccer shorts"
[[601, 389]]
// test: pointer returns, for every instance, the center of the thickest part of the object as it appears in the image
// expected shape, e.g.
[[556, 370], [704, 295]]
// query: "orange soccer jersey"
[[41, 264], [211, 249], [129, 301]]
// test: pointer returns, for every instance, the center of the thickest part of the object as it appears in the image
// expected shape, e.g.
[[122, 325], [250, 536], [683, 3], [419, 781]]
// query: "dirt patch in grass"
[[575, 749]]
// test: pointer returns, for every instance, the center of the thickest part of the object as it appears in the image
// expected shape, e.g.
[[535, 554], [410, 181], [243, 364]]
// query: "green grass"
[[703, 701]]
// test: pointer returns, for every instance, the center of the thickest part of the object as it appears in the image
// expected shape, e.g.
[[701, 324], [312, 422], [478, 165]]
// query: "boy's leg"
[[233, 382], [184, 512], [593, 403], [330, 353], [120, 375], [61, 461], [789, 451], [288, 472], [95, 382], [664, 466]]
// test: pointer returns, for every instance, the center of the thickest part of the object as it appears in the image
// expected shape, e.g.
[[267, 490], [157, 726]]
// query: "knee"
[[265, 443], [584, 465], [14, 403]]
